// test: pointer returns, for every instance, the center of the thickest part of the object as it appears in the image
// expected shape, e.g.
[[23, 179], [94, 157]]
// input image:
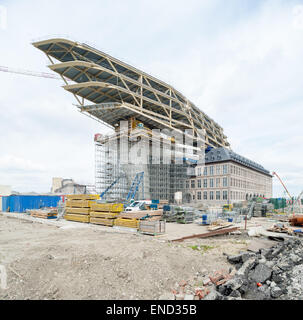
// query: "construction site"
[[174, 212]]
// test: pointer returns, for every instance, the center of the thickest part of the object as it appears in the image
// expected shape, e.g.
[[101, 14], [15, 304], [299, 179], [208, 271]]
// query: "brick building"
[[226, 178]]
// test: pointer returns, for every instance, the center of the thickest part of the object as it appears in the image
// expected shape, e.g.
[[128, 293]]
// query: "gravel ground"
[[47, 262]]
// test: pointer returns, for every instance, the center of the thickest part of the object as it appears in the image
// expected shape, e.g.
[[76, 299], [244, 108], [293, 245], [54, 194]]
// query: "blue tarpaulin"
[[21, 203]]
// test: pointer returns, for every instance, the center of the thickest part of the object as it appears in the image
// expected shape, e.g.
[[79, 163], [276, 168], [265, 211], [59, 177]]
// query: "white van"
[[138, 205]]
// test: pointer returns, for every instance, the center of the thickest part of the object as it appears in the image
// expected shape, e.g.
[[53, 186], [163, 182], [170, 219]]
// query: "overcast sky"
[[240, 61]]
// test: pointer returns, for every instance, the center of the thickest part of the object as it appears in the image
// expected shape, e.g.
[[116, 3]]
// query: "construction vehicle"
[[138, 205]]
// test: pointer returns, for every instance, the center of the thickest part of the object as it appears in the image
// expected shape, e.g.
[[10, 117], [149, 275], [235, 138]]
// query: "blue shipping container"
[[21, 203]]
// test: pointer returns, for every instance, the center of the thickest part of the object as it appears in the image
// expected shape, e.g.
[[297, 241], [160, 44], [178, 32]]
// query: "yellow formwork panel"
[[78, 203], [83, 197], [102, 221], [107, 207], [77, 210], [129, 223], [99, 214], [77, 217]]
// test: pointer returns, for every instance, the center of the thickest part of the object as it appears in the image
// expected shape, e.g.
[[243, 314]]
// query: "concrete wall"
[[5, 190], [57, 183]]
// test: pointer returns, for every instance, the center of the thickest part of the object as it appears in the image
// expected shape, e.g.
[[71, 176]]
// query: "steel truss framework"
[[119, 91]]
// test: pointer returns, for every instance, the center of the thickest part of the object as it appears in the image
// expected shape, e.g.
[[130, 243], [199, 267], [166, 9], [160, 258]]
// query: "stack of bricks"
[[78, 207], [105, 213]]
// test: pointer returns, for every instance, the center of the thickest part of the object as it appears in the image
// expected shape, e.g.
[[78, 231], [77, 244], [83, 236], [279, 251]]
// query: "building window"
[[211, 170], [204, 183], [211, 183], [199, 183], [224, 195], [218, 182], [199, 195], [205, 195], [211, 195], [205, 171], [224, 182], [217, 195], [193, 197], [218, 170], [193, 184], [225, 169], [187, 184], [199, 172]]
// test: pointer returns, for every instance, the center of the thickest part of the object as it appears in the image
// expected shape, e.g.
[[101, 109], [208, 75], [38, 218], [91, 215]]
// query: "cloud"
[[239, 61]]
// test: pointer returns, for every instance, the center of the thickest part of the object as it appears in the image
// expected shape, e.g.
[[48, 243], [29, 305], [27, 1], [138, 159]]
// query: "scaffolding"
[[135, 148]]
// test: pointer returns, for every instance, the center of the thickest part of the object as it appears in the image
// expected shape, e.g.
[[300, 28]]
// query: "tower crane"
[[30, 73]]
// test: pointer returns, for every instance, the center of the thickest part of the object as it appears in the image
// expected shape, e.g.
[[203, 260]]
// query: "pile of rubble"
[[275, 273], [200, 287]]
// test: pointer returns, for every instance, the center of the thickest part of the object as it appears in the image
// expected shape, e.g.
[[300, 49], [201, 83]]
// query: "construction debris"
[[274, 273], [281, 227], [44, 213], [207, 234], [219, 224]]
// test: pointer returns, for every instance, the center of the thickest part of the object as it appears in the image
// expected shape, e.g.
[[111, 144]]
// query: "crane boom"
[[30, 73], [274, 173]]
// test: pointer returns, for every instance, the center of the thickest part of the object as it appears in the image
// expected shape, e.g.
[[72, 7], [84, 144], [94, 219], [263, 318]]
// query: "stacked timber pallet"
[[44, 213], [78, 207], [105, 213]]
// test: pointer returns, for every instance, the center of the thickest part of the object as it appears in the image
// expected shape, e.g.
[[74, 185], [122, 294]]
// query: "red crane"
[[291, 198], [275, 174]]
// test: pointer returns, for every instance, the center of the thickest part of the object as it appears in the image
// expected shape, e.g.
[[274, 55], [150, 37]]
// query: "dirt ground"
[[49, 262]]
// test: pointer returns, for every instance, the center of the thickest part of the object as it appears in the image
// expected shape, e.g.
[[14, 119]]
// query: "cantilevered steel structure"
[[117, 91], [112, 91]]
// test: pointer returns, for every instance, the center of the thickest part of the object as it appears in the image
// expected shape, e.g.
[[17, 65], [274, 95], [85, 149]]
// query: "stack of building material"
[[43, 213], [152, 227], [105, 213], [143, 214], [77, 207], [131, 219], [127, 222], [219, 224], [162, 203], [258, 210], [179, 214]]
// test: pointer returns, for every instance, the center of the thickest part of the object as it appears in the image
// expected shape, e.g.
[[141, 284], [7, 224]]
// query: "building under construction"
[[156, 130]]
